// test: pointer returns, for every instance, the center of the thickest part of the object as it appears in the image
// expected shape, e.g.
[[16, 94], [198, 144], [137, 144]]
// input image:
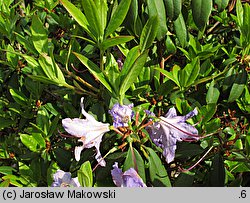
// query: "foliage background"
[[182, 53]]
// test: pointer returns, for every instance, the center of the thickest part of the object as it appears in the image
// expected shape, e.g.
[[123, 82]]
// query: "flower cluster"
[[164, 131]]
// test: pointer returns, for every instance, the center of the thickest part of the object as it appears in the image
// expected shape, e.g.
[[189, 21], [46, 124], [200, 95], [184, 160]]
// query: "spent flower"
[[89, 131]]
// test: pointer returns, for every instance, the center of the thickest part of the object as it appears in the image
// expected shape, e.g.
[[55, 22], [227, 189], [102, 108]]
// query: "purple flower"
[[170, 129], [129, 178], [89, 131], [63, 179], [121, 114]]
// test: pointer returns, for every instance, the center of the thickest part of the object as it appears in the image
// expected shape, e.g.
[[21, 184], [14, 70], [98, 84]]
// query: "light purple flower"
[[89, 131], [170, 129], [121, 114], [63, 179], [129, 178]]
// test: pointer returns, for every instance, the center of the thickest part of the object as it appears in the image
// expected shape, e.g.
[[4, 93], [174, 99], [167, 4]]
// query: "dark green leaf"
[[238, 86], [201, 10], [117, 17], [149, 32], [173, 8], [181, 30], [221, 4], [217, 173], [157, 8]]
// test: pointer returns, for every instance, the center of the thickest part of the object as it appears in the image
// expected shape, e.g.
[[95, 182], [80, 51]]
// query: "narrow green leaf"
[[149, 32], [134, 160], [238, 86], [132, 55], [93, 17], [39, 35], [181, 30], [78, 16], [201, 10], [40, 140], [157, 171], [133, 73], [213, 93], [117, 17], [110, 42], [157, 8], [85, 175], [94, 69], [173, 8]]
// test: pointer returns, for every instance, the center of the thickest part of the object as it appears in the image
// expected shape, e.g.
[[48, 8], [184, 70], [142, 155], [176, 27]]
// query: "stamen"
[[190, 168], [190, 134]]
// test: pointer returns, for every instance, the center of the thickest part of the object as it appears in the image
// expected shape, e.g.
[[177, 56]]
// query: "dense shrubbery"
[[165, 86]]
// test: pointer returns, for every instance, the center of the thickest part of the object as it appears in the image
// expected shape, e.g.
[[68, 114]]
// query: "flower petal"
[[78, 150], [117, 175], [132, 179]]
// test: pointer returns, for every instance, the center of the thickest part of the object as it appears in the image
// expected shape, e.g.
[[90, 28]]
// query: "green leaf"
[[93, 18], [117, 17], [181, 31], [19, 97], [133, 73], [132, 55], [78, 16], [40, 140], [51, 69], [5, 183], [149, 32], [207, 112], [173, 75], [217, 173], [221, 4], [29, 141], [134, 160], [94, 69], [39, 35], [157, 171], [173, 8], [188, 75], [157, 8], [6, 170], [201, 10], [238, 86], [110, 42], [213, 93], [170, 46], [85, 175]]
